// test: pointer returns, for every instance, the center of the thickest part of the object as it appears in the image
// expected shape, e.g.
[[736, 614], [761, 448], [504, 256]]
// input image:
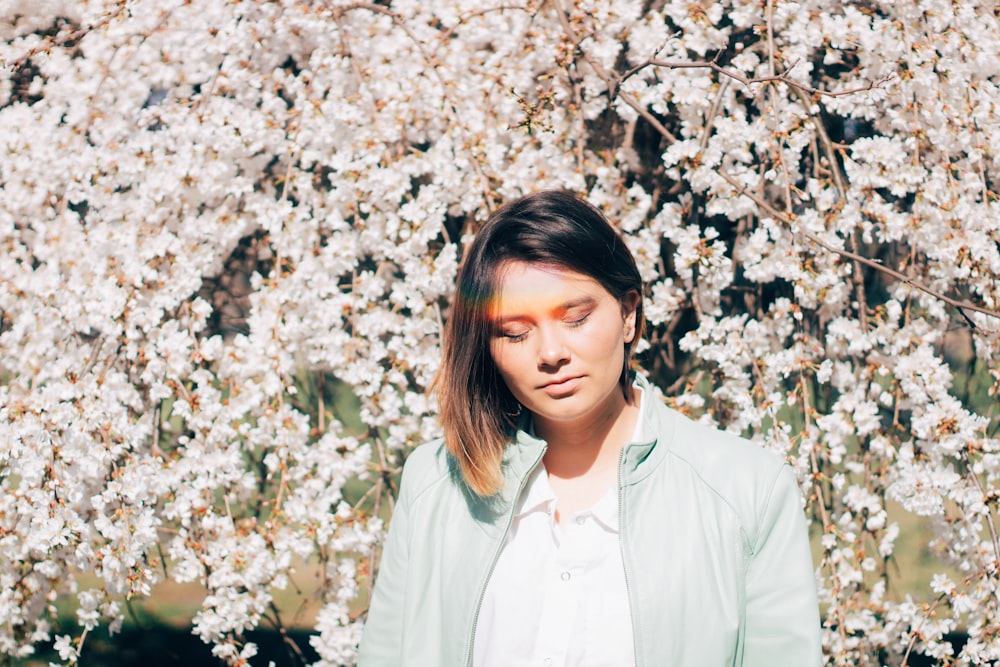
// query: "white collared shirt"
[[557, 596]]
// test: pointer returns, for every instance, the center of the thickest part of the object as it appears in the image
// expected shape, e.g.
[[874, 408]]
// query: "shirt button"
[[581, 520], [564, 576], [547, 662]]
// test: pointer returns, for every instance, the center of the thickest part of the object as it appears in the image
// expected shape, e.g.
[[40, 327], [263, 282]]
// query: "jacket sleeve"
[[382, 637], [782, 612]]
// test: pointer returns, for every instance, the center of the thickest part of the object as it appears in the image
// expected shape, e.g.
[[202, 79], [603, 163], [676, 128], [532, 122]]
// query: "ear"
[[630, 304]]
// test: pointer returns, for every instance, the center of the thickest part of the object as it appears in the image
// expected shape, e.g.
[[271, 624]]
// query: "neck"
[[591, 443]]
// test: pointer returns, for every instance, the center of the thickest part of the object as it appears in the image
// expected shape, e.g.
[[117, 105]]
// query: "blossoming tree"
[[212, 212]]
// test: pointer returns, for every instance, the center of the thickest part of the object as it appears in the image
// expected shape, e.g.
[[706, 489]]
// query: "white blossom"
[[229, 232]]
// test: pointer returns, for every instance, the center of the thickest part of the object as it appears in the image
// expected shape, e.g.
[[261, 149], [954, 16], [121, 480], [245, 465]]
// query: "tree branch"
[[65, 38], [613, 81], [787, 219], [776, 78]]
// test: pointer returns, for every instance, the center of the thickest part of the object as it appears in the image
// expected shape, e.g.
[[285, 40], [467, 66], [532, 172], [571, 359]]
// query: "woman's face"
[[559, 340]]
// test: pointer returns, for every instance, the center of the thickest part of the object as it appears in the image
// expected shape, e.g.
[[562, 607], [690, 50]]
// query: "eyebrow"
[[582, 301]]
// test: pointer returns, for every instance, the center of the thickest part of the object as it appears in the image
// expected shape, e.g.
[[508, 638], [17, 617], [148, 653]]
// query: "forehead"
[[523, 287]]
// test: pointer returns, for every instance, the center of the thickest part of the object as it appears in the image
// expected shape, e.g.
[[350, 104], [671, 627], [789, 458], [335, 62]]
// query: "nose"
[[552, 350]]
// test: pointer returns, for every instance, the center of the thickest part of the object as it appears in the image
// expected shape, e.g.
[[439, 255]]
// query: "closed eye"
[[514, 337]]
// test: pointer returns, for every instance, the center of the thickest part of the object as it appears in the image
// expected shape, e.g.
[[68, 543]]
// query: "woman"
[[568, 517]]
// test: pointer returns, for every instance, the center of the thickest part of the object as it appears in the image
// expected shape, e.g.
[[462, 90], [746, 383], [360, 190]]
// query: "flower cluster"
[[229, 231]]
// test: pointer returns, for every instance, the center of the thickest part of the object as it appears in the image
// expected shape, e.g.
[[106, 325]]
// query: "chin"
[[562, 409]]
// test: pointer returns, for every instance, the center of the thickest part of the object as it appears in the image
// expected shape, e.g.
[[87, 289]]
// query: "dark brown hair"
[[552, 228]]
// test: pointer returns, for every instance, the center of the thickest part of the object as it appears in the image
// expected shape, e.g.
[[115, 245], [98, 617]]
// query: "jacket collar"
[[639, 458], [521, 457]]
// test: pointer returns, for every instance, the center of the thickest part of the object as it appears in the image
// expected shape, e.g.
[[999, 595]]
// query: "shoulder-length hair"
[[551, 228]]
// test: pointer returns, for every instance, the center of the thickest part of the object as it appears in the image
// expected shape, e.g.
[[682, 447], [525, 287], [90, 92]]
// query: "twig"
[[293, 649], [828, 147], [989, 513], [775, 78], [580, 118], [155, 449], [770, 36], [813, 459], [915, 633], [772, 93], [710, 121], [163, 559], [96, 351], [61, 40], [838, 180], [482, 12], [649, 61]]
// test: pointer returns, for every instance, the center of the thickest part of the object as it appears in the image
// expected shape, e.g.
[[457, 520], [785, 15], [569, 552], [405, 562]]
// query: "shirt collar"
[[538, 495], [637, 433], [605, 510]]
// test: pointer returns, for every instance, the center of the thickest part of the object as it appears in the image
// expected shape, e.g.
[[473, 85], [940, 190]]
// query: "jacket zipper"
[[621, 547], [496, 556]]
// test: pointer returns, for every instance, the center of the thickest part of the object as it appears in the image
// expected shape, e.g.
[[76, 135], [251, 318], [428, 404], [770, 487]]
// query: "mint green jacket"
[[713, 539]]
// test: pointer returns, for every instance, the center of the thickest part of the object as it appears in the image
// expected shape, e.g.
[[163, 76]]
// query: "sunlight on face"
[[559, 341]]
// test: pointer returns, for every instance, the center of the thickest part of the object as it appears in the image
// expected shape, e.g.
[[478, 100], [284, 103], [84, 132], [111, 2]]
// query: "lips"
[[562, 386]]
